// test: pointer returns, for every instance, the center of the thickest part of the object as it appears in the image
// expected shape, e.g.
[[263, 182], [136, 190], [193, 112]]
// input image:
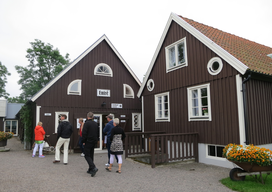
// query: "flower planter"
[[252, 167], [3, 143]]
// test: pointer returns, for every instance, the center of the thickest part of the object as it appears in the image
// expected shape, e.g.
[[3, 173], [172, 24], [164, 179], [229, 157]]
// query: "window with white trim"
[[162, 107], [215, 150], [103, 69], [128, 91], [199, 105], [57, 119], [136, 121], [11, 126], [74, 88], [176, 55], [215, 66], [150, 85]]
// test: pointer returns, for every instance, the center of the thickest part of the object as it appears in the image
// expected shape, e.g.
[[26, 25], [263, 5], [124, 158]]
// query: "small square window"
[[215, 151]]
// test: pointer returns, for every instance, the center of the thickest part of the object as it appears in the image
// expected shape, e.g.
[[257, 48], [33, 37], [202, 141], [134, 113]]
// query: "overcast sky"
[[133, 27]]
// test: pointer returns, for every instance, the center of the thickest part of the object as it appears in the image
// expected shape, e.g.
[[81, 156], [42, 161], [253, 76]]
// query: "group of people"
[[89, 134]]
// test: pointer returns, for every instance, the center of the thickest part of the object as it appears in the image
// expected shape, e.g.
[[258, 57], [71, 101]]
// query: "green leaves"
[[45, 63], [3, 80]]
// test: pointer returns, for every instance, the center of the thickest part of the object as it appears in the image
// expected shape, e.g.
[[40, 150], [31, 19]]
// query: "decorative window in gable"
[[103, 69], [74, 88], [176, 55], [128, 91], [199, 105], [162, 107]]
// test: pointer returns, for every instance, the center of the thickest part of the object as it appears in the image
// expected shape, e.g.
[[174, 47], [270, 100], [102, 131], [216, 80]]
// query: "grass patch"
[[249, 184]]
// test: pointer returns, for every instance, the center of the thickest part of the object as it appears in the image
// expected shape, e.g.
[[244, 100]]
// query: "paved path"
[[20, 172]]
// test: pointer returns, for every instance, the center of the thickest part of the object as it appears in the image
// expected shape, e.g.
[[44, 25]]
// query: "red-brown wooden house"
[[100, 81], [204, 80]]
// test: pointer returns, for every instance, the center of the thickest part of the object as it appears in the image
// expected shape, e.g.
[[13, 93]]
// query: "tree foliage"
[[3, 80], [18, 99], [45, 63]]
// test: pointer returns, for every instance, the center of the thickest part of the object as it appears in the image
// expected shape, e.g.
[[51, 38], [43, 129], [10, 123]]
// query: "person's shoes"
[[65, 163], [41, 156], [33, 155], [94, 171], [56, 161], [107, 165], [108, 169], [118, 171], [82, 155]]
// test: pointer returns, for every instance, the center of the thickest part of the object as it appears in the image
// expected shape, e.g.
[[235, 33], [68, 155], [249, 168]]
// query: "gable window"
[[74, 88], [150, 85], [103, 69], [215, 150], [199, 107], [11, 126], [215, 66], [128, 91], [176, 55], [162, 107]]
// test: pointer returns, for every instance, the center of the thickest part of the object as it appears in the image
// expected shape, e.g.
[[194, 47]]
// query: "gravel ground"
[[20, 172]]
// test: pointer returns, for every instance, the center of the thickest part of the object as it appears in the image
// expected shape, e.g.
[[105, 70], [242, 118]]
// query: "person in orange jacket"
[[39, 137]]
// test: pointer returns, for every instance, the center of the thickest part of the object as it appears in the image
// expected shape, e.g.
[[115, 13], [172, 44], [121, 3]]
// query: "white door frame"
[[100, 132]]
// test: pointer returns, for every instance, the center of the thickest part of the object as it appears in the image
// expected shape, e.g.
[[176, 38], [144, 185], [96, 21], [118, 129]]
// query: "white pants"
[[40, 149], [60, 142], [112, 159]]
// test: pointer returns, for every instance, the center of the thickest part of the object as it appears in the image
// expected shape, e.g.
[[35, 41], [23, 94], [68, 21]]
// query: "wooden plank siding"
[[55, 99], [259, 103], [224, 127]]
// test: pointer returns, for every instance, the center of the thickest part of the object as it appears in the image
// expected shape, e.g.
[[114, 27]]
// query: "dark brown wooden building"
[[100, 81], [208, 81]]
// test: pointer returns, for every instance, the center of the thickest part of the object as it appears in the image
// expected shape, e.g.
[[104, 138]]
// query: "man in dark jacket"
[[65, 131], [90, 135]]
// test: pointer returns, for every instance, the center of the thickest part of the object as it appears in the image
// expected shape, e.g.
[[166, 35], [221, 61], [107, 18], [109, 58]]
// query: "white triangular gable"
[[71, 65], [238, 65]]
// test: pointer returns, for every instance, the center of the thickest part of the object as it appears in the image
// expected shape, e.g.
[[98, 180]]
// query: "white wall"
[[3, 107]]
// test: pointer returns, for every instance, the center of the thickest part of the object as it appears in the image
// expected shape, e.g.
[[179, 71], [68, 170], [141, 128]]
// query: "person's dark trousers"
[[89, 153], [108, 147], [81, 144]]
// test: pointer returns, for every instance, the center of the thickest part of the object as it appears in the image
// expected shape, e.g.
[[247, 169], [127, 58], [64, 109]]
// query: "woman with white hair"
[[116, 148]]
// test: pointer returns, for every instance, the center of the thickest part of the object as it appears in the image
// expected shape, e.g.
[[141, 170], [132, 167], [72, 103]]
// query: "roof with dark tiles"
[[250, 53]]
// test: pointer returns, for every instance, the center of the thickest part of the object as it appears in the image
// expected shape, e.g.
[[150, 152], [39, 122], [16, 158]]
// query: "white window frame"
[[150, 85], [110, 74], [15, 134], [126, 94], [138, 127], [163, 118], [71, 92], [57, 113], [200, 117], [210, 66], [207, 151], [167, 56]]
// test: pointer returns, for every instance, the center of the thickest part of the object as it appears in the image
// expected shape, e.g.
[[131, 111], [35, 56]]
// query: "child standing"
[[39, 136]]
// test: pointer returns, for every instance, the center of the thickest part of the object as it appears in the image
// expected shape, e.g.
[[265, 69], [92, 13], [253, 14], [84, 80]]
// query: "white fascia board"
[[238, 65], [65, 70], [154, 57]]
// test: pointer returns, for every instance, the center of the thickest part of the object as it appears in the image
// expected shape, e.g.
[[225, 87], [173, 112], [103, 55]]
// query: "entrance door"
[[98, 120]]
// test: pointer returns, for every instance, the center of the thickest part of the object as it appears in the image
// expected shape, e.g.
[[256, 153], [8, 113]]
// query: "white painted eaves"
[[65, 70], [238, 65]]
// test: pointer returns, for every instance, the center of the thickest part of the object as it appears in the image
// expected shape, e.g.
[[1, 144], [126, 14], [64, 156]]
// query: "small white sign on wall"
[[123, 121], [47, 114], [103, 93], [122, 115], [116, 105]]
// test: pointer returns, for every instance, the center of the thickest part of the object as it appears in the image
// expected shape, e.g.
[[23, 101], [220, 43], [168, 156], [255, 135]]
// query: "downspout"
[[245, 108]]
